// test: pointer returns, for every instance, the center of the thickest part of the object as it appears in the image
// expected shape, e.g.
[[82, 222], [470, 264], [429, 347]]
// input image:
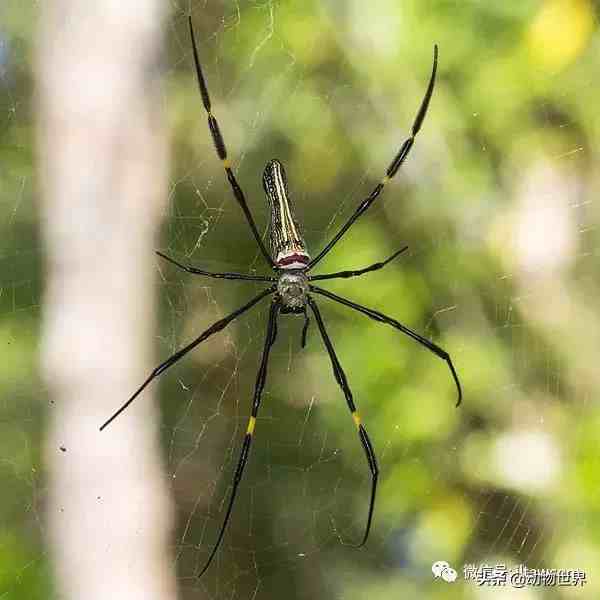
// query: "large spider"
[[292, 289]]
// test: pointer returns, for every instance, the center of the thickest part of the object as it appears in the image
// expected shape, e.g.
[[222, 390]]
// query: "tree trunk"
[[103, 182]]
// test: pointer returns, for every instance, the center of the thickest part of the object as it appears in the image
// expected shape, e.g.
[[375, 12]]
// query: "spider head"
[[292, 288]]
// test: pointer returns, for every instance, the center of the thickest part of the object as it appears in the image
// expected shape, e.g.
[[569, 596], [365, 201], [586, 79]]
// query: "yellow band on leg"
[[356, 419], [251, 424]]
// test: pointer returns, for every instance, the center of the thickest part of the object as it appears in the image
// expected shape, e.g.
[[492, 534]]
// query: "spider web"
[[496, 205], [478, 485]]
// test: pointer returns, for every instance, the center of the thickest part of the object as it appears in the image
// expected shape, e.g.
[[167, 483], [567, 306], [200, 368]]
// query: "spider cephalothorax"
[[293, 289]]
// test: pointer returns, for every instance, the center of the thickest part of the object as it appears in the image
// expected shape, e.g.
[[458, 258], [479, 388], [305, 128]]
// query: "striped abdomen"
[[287, 245]]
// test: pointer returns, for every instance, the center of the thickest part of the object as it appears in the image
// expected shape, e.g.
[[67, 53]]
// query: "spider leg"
[[258, 388], [340, 377], [196, 271], [275, 330], [345, 274], [305, 328], [391, 170], [219, 143], [377, 316], [221, 324]]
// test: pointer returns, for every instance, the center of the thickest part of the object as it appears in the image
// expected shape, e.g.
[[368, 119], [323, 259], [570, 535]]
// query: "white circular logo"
[[442, 569], [449, 575], [438, 567]]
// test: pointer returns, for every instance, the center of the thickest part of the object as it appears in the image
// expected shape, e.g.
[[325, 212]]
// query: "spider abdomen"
[[288, 248]]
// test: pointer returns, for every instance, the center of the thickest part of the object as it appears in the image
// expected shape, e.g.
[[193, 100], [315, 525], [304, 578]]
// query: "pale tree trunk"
[[103, 157]]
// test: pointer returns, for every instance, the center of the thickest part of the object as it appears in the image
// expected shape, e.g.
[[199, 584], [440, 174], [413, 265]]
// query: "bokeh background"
[[498, 205]]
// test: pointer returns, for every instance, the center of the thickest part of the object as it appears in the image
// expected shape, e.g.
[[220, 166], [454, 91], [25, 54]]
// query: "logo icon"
[[442, 569]]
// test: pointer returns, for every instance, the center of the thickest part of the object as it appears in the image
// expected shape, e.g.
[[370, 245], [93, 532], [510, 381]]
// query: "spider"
[[292, 289]]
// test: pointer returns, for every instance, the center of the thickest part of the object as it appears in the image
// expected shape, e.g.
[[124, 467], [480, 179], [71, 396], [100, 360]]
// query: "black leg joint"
[[399, 159], [217, 137]]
